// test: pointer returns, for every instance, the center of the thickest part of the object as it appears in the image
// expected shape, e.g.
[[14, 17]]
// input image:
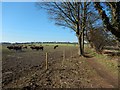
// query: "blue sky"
[[0, 21], [24, 22]]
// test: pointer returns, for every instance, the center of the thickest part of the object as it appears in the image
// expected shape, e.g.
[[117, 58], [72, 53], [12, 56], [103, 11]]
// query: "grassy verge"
[[110, 63]]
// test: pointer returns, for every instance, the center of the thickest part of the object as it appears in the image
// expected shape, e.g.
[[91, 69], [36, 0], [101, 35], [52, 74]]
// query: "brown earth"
[[27, 70], [100, 69]]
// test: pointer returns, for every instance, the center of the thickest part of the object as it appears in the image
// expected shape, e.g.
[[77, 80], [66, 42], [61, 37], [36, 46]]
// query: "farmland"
[[65, 69], [65, 44]]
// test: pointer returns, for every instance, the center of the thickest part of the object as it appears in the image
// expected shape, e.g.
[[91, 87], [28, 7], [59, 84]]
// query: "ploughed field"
[[26, 69]]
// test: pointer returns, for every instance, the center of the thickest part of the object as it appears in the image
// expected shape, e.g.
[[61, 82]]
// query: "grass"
[[57, 44], [30, 56], [52, 44], [0, 53], [110, 63]]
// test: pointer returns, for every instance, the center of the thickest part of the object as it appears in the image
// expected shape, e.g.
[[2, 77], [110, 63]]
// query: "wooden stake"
[[46, 60], [71, 53], [63, 57]]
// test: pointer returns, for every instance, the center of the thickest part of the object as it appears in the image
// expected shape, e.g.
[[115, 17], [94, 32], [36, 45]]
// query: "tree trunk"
[[84, 25], [83, 42], [80, 48]]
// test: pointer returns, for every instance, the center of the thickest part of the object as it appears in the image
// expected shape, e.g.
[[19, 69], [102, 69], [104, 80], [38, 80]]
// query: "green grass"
[[0, 53], [49, 44], [110, 63], [57, 44]]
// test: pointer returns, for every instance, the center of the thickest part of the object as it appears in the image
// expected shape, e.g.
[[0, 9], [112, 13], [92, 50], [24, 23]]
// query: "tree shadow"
[[112, 53], [87, 55], [111, 48]]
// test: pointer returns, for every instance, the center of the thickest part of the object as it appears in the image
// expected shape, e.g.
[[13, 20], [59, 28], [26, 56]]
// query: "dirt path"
[[106, 75]]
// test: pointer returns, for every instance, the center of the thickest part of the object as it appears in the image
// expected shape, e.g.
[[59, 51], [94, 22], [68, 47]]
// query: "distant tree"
[[98, 39], [93, 23]]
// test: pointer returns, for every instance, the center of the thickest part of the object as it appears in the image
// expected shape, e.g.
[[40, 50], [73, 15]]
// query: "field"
[[26, 69]]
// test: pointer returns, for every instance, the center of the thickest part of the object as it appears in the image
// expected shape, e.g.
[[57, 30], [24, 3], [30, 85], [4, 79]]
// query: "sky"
[[0, 21], [24, 22]]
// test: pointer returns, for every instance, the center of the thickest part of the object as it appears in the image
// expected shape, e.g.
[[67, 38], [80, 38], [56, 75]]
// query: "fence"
[[63, 55]]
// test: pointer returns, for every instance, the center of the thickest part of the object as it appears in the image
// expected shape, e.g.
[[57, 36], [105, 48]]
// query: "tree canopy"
[[84, 17]]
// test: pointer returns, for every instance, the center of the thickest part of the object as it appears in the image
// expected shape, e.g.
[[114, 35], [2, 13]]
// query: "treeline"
[[41, 43], [95, 22]]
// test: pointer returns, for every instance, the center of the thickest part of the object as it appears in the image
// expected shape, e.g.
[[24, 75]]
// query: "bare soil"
[[26, 70], [101, 70]]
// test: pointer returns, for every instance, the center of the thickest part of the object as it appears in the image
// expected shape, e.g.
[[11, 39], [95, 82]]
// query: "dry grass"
[[110, 62]]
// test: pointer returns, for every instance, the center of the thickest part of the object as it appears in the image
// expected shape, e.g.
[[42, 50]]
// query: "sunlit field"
[[66, 44], [65, 69]]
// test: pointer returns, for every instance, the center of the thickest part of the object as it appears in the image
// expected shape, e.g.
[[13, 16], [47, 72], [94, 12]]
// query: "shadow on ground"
[[112, 53]]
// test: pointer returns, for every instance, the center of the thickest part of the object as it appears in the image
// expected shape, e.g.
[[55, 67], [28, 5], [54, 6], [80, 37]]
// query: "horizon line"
[[40, 42]]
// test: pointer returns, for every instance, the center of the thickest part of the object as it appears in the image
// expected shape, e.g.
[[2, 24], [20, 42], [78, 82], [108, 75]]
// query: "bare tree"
[[82, 18], [112, 23], [98, 38], [69, 14]]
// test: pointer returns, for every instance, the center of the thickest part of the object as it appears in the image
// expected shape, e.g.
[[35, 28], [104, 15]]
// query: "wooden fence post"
[[63, 57], [46, 60], [71, 53]]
